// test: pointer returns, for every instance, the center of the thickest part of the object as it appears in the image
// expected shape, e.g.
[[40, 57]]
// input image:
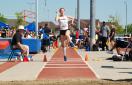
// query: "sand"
[[68, 82]]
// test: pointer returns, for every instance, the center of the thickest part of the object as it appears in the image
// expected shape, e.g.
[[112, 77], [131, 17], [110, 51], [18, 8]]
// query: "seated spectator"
[[3, 34], [73, 37], [27, 35], [121, 44], [17, 41]]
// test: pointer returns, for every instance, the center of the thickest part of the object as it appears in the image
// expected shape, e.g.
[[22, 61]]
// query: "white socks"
[[64, 51]]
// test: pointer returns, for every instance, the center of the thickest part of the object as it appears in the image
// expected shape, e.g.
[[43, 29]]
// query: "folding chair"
[[13, 52]]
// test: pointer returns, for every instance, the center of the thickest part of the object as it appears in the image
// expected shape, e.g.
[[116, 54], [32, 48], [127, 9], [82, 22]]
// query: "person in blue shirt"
[[104, 33], [46, 39]]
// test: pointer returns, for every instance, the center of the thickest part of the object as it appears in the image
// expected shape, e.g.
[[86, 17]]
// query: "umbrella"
[[3, 25], [30, 27]]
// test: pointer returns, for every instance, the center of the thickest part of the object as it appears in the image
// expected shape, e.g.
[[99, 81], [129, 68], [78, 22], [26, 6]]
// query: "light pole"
[[78, 14], [125, 2], [36, 18], [92, 23]]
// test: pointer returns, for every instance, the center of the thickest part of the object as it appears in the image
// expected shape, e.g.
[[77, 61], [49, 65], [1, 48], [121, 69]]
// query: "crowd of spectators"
[[105, 37]]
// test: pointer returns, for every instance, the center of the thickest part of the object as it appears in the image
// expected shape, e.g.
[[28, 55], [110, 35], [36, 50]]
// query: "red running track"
[[74, 68], [7, 65]]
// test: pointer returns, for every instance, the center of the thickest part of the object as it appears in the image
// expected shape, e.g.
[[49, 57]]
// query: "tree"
[[129, 28], [20, 20], [115, 21], [2, 18]]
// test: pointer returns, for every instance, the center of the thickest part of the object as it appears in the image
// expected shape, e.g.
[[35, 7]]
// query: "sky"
[[104, 8]]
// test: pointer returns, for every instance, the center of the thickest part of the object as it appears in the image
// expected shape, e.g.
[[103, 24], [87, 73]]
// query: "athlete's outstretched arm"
[[71, 19], [57, 16]]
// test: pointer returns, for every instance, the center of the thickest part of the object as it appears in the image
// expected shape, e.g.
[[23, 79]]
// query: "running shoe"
[[72, 44], [65, 58]]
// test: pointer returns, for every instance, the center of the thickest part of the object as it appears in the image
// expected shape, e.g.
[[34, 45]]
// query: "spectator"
[[98, 37], [120, 44], [54, 39], [39, 33], [112, 35], [13, 32], [47, 29], [27, 35], [0, 32], [104, 32], [33, 35], [3, 35], [17, 41], [86, 39], [77, 36], [46, 39]]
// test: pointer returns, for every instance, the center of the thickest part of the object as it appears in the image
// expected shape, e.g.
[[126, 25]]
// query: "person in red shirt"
[[77, 34]]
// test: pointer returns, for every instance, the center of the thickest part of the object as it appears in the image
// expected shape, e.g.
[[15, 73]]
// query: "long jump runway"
[[55, 68], [73, 68]]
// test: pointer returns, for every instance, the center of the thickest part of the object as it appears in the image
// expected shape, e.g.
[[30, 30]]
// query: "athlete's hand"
[[57, 11]]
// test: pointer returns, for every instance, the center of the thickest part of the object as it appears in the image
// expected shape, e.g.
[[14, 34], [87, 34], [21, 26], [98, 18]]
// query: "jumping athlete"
[[63, 20]]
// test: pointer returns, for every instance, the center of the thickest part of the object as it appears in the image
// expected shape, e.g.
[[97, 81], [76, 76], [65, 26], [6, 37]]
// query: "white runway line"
[[67, 67], [93, 71], [66, 64]]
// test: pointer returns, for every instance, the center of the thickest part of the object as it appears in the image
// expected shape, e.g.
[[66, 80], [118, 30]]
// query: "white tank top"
[[63, 22]]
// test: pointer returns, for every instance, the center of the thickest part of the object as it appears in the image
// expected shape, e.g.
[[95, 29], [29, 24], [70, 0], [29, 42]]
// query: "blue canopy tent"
[[30, 27], [3, 25]]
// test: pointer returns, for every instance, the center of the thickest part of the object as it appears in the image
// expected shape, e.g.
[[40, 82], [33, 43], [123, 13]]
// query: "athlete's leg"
[[63, 44], [69, 38], [62, 40]]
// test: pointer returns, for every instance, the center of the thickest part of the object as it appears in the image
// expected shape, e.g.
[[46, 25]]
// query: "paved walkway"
[[107, 69]]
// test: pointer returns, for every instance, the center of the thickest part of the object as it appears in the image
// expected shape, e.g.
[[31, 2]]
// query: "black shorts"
[[63, 32], [45, 42]]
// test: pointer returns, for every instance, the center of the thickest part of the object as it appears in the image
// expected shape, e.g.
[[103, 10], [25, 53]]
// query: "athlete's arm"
[[71, 19], [57, 16]]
